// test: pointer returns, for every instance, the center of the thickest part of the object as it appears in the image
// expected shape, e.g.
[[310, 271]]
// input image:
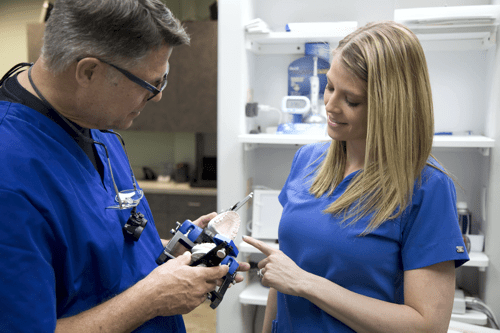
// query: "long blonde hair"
[[389, 58]]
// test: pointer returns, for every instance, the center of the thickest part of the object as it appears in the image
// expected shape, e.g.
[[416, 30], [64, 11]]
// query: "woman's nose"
[[331, 102]]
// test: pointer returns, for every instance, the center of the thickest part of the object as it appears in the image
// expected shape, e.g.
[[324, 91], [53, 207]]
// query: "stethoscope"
[[126, 199]]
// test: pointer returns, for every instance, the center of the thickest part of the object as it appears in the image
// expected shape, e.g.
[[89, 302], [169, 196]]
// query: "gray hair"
[[121, 31]]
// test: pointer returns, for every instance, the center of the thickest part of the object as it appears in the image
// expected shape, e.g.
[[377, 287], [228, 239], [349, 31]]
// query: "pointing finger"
[[259, 245]]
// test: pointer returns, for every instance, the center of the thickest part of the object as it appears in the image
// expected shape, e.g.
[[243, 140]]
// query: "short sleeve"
[[430, 231], [27, 280], [283, 197]]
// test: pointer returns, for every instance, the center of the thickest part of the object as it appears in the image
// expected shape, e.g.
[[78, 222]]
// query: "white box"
[[476, 243], [266, 214]]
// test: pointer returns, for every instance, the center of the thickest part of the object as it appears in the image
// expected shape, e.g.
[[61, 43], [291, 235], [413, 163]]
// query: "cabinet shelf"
[[440, 141], [150, 186], [287, 42], [439, 37], [254, 294], [478, 259], [247, 248], [456, 37]]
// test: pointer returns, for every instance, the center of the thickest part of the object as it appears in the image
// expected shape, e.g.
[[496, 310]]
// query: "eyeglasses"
[[146, 85], [126, 199]]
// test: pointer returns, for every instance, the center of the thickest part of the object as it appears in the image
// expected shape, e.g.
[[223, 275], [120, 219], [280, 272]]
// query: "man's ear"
[[87, 70]]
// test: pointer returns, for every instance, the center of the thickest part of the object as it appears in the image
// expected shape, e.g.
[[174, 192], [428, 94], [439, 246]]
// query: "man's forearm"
[[122, 313]]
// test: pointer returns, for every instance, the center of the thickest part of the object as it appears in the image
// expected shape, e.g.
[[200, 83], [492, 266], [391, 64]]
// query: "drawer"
[[190, 206], [168, 209]]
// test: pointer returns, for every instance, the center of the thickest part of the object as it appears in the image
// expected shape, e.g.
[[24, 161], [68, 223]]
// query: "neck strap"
[[13, 70], [47, 104]]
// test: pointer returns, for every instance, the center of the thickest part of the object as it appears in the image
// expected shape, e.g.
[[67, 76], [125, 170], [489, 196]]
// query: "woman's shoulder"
[[435, 173], [307, 159], [312, 151]]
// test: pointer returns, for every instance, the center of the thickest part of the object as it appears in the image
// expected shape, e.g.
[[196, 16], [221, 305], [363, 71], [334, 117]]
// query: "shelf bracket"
[[484, 151], [249, 146]]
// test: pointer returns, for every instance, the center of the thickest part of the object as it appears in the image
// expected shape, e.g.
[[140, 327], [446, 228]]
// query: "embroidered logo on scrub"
[[460, 249]]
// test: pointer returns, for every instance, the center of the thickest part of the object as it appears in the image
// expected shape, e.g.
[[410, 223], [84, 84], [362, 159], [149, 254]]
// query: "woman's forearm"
[[271, 310], [428, 302]]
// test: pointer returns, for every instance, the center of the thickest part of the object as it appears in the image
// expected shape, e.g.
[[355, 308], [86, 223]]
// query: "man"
[[68, 261]]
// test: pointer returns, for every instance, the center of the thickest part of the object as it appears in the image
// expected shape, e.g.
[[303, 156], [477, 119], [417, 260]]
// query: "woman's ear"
[[87, 70]]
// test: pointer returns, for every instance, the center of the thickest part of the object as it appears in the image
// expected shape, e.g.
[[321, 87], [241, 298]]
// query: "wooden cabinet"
[[170, 208], [35, 40], [189, 102]]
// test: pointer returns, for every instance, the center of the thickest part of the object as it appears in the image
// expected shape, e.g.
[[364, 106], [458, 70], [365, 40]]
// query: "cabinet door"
[[158, 204], [190, 207], [168, 209], [35, 40], [189, 102]]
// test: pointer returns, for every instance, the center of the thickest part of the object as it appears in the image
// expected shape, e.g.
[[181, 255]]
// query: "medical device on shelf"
[[313, 117], [297, 106]]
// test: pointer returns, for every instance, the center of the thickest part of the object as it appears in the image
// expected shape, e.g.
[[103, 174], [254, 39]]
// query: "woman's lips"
[[333, 122]]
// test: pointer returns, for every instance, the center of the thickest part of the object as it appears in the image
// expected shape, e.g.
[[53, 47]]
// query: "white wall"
[[491, 278], [14, 15]]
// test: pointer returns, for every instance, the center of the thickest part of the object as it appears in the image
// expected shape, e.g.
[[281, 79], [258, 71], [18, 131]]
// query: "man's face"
[[116, 100]]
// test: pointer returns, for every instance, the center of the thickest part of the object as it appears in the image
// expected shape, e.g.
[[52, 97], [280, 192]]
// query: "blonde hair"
[[389, 58]]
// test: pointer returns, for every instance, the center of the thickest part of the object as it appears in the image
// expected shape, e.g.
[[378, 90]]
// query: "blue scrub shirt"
[[425, 234], [61, 251]]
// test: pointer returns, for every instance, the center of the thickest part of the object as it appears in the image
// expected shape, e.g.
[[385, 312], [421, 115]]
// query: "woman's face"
[[346, 105]]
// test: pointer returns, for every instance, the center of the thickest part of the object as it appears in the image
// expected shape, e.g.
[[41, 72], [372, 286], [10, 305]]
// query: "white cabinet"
[[253, 68]]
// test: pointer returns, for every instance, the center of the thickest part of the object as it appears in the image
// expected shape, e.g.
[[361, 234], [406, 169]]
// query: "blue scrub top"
[[425, 234], [61, 251]]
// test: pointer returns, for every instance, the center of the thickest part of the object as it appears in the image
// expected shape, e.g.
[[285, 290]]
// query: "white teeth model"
[[199, 250], [226, 224]]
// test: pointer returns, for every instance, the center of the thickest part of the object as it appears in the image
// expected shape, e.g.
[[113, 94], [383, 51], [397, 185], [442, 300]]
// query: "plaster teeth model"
[[226, 224], [200, 250]]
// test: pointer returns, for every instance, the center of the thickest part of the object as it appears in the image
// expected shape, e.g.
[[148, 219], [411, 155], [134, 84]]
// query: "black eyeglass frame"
[[146, 85]]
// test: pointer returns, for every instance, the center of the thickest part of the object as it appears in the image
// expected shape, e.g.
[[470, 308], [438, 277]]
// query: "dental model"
[[226, 224]]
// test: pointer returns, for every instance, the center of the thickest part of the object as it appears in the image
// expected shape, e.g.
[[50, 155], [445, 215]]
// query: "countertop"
[[151, 186]]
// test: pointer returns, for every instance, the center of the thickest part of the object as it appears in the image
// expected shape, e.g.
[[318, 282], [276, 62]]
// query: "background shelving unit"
[[252, 68], [445, 37], [440, 141]]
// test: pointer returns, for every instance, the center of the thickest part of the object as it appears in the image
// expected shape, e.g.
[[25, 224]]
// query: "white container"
[[476, 243], [266, 214]]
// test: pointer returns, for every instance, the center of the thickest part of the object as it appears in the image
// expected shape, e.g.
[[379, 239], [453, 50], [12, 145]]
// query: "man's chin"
[[127, 122]]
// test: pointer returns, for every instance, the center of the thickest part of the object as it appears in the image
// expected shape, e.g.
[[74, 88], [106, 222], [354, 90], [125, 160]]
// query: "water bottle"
[[464, 217]]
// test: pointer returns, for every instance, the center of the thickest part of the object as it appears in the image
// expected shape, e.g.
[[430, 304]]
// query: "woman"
[[369, 238]]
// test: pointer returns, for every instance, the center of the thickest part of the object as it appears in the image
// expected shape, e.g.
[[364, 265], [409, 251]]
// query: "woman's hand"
[[279, 271]]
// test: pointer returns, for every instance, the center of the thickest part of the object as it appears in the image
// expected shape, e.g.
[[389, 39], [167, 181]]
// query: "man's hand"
[[202, 221], [178, 288]]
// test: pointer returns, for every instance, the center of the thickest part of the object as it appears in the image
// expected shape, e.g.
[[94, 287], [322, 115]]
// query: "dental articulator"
[[211, 246]]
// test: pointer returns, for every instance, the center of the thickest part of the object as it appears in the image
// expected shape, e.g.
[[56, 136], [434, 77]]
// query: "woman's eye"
[[351, 104], [330, 89]]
